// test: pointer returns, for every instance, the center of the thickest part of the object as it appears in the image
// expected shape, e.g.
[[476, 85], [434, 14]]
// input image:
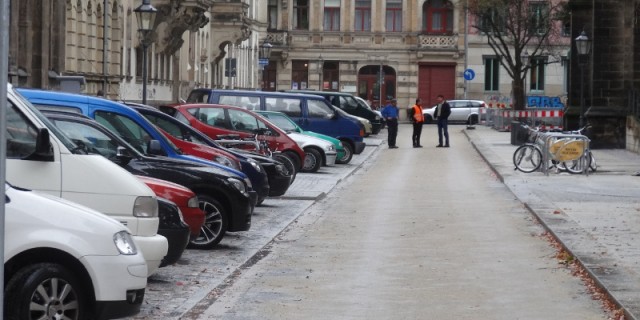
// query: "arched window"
[[437, 17]]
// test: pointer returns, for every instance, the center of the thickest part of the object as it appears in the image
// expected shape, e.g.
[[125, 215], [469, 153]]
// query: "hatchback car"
[[463, 111], [288, 125], [214, 120]]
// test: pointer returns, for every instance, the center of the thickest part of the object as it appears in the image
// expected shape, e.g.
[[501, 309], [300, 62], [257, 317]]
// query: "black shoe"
[[393, 147], [446, 146], [417, 146], [439, 146]]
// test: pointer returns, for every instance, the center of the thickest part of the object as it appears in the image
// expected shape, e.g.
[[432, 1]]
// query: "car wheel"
[[473, 119], [215, 225], [46, 291], [348, 153], [289, 166], [312, 160], [294, 158]]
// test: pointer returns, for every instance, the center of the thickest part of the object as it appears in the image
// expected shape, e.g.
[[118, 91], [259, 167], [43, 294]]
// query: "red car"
[[183, 197], [214, 120]]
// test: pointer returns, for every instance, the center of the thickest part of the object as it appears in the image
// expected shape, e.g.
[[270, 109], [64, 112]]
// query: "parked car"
[[184, 198], [366, 124], [318, 152], [214, 120], [66, 261], [465, 111], [172, 223], [365, 104], [41, 158], [347, 103], [288, 125], [310, 112], [196, 143], [221, 196]]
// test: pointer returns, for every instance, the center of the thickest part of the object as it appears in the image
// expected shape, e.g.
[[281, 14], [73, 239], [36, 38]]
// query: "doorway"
[[372, 85]]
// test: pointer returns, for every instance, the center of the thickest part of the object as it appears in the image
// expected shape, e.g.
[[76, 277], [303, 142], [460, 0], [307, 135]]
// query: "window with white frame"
[[536, 77], [437, 16], [301, 14], [363, 15], [272, 14], [331, 15], [539, 12], [491, 73], [394, 16]]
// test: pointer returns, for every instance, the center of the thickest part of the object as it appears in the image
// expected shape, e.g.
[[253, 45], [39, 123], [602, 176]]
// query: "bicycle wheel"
[[527, 158], [576, 166]]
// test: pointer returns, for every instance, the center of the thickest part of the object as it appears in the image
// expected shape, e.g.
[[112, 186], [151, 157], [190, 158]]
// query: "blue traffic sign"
[[469, 74]]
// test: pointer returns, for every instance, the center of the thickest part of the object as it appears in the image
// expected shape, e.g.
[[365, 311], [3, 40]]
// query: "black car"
[[215, 188], [174, 229], [279, 178]]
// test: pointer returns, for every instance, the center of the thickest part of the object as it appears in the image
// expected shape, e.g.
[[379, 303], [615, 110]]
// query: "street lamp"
[[320, 67], [264, 52], [583, 46], [146, 16]]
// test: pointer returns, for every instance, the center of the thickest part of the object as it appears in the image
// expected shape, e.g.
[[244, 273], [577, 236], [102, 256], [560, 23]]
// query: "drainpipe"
[[104, 47]]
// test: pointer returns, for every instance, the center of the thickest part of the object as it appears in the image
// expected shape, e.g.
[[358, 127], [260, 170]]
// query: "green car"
[[288, 125]]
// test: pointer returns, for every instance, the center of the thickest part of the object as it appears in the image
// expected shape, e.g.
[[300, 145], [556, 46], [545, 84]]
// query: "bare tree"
[[513, 27]]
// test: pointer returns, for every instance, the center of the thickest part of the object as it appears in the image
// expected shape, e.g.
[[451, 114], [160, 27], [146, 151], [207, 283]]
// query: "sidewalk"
[[595, 217]]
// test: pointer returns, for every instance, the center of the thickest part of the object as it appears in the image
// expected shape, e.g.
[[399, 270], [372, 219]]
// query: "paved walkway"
[[595, 217]]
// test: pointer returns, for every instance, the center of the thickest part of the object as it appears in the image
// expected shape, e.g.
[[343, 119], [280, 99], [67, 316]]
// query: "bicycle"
[[575, 166], [528, 157], [261, 146]]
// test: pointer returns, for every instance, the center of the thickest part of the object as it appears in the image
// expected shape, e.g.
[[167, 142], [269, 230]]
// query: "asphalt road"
[[413, 234]]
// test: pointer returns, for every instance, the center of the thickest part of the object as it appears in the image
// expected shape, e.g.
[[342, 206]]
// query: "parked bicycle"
[[576, 166], [529, 157]]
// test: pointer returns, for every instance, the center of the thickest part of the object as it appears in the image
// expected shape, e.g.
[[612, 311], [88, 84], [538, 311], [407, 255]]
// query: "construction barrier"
[[500, 119]]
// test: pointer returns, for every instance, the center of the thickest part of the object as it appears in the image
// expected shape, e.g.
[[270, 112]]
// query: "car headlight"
[[239, 185], [193, 202], [255, 165], [330, 147], [226, 161], [124, 243], [145, 207], [378, 118]]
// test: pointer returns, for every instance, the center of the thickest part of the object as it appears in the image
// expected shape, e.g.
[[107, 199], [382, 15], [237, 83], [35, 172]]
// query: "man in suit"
[[443, 110]]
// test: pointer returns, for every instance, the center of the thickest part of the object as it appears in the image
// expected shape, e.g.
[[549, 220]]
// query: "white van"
[[63, 260], [41, 158]]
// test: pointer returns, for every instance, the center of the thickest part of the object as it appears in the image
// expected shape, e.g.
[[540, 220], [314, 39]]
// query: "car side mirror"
[[43, 150], [122, 156], [154, 148]]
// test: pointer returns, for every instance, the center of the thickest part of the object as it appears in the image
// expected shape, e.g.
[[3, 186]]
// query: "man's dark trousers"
[[417, 132], [443, 129], [392, 128]]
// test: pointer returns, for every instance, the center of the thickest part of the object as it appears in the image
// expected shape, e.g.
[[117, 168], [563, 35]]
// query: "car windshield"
[[283, 122], [92, 138]]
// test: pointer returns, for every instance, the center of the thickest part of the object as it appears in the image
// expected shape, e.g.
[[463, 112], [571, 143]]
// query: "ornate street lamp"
[[264, 52], [583, 46], [320, 67], [146, 16]]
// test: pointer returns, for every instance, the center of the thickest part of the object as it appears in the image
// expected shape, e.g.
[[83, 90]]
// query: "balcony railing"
[[356, 40]]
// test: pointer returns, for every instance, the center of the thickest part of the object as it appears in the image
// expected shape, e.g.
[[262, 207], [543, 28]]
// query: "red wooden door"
[[434, 80]]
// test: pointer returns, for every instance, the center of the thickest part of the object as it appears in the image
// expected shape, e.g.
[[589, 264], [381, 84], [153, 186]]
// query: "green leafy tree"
[[515, 27]]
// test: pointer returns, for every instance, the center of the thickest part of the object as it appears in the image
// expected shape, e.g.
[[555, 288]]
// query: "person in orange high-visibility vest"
[[417, 118]]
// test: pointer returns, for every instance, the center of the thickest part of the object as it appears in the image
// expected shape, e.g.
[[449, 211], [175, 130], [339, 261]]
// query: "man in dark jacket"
[[443, 110]]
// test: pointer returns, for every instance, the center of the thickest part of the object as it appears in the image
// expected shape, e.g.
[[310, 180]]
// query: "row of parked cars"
[[160, 172]]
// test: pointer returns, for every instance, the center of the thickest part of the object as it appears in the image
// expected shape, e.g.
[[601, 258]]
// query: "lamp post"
[[264, 52], [146, 16], [320, 67], [583, 46]]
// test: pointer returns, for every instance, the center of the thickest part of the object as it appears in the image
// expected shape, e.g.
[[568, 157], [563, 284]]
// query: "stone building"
[[611, 74]]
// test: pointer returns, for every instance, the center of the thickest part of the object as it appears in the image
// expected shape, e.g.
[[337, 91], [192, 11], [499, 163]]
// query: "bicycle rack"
[[571, 147]]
